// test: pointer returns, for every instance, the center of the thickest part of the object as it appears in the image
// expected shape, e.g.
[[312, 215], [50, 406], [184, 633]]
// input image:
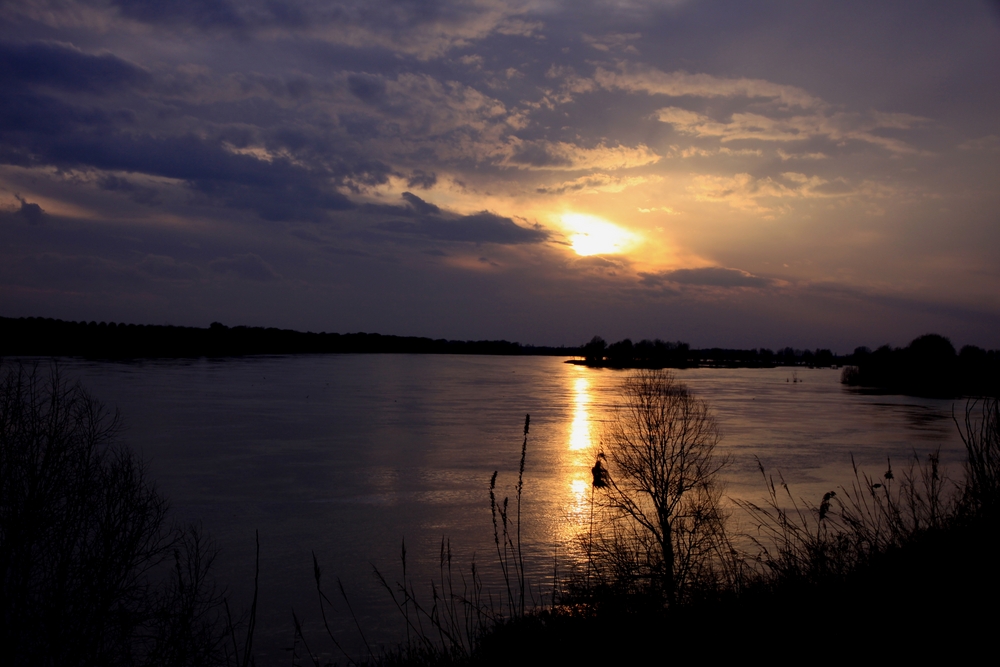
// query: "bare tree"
[[91, 572], [663, 477]]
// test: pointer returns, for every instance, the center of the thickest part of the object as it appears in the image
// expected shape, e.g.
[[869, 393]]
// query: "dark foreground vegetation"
[[92, 570], [928, 366], [897, 565]]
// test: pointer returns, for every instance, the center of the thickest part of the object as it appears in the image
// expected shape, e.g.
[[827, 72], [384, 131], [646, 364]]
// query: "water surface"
[[348, 455]]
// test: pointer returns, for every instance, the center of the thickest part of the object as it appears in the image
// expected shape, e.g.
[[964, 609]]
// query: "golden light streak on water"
[[579, 458], [579, 431]]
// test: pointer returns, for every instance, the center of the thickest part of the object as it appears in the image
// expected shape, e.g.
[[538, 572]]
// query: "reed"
[[868, 558], [448, 626]]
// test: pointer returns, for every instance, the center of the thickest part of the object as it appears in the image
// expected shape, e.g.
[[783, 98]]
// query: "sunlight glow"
[[594, 236], [578, 509], [579, 431]]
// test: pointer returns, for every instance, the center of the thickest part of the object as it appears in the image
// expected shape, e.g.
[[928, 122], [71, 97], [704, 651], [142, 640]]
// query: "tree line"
[[928, 366], [36, 336], [653, 354]]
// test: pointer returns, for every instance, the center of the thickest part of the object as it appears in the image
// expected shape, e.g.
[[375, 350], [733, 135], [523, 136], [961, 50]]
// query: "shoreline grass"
[[900, 565]]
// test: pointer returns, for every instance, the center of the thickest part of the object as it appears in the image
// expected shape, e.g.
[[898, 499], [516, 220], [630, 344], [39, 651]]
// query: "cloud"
[[644, 79], [835, 127], [366, 87], [38, 130], [70, 269], [780, 113], [746, 192], [595, 183], [138, 193], [614, 42], [248, 266], [28, 212], [421, 179], [168, 268], [706, 277], [801, 156], [571, 157], [425, 219], [425, 29], [419, 205], [990, 142], [693, 151], [65, 67], [204, 14]]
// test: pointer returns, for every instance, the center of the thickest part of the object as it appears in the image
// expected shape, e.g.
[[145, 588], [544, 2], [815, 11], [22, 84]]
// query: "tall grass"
[[980, 432], [802, 542], [447, 625], [876, 557]]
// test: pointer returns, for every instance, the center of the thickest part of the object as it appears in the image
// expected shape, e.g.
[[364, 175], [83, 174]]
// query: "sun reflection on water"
[[579, 431], [581, 452]]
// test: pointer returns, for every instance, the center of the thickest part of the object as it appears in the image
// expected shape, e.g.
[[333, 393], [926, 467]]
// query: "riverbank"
[[898, 566]]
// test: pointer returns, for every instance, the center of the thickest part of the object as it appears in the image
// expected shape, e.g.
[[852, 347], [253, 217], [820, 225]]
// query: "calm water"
[[347, 455]]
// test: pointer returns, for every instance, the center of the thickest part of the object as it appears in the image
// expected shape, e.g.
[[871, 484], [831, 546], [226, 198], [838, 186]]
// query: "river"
[[345, 456]]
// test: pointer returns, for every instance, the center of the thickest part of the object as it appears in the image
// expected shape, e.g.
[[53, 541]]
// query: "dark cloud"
[[421, 179], [484, 227], [427, 220], [70, 270], [287, 14], [247, 266], [359, 126], [707, 277], [535, 155], [391, 17], [200, 13], [40, 130], [419, 205], [28, 212], [168, 268], [66, 67], [366, 87], [306, 235], [138, 193], [275, 190], [279, 201], [32, 126]]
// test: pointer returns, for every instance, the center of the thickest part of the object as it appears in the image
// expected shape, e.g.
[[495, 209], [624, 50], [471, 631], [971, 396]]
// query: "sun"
[[590, 235]]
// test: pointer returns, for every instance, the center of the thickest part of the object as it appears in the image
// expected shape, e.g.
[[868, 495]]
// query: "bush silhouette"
[[92, 574]]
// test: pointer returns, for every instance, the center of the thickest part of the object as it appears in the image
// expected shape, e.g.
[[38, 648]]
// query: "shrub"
[[92, 574]]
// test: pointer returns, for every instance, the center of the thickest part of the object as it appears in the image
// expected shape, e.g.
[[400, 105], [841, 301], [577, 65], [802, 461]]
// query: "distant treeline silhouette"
[[654, 354], [928, 366], [36, 336]]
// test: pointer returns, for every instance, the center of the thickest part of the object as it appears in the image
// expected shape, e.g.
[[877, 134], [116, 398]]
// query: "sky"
[[739, 174]]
